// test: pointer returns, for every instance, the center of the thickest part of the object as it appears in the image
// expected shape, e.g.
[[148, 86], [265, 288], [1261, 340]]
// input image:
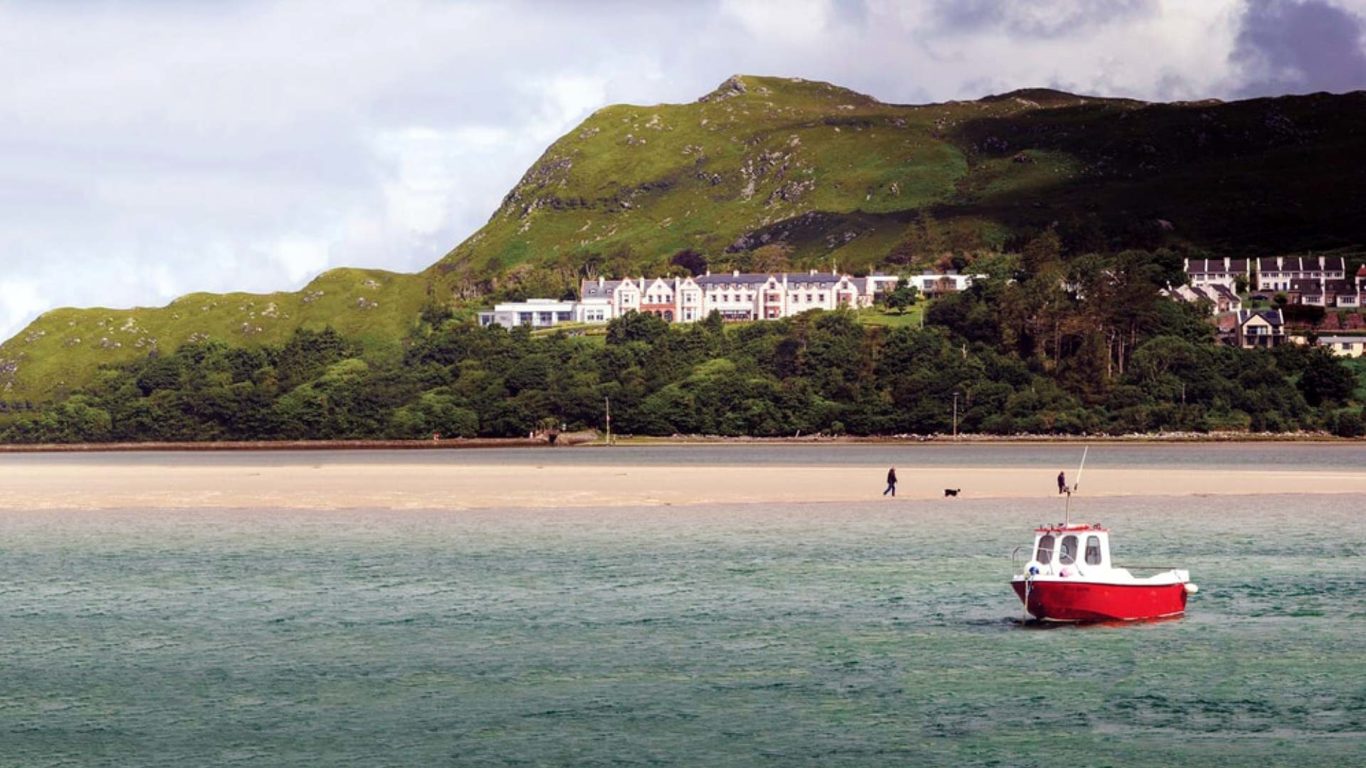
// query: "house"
[[878, 285], [1319, 281], [736, 296], [1344, 346], [1275, 273], [928, 283], [1258, 328], [658, 298], [1225, 271], [596, 310], [1220, 296], [1357, 297]]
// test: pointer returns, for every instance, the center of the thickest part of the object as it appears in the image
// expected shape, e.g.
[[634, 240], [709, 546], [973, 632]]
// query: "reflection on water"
[[880, 634]]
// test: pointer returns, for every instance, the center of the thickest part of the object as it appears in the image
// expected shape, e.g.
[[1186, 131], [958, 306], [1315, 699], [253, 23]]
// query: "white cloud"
[[791, 21], [299, 256], [20, 301], [149, 149]]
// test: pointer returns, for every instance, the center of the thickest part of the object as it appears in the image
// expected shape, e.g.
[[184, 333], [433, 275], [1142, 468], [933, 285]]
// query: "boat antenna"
[[1067, 511]]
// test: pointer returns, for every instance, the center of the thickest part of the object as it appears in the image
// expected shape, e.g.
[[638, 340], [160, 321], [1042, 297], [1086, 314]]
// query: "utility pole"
[[955, 414], [608, 403]]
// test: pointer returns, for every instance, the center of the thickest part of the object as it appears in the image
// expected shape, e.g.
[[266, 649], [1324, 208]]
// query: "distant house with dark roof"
[[1258, 328], [1355, 298], [1225, 271], [1275, 273], [1219, 297]]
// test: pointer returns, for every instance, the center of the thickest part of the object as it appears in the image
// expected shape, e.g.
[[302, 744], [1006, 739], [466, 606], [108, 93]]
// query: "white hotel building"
[[737, 297]]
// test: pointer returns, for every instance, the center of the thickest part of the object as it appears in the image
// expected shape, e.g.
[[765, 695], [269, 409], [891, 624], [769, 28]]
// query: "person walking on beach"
[[1062, 482], [891, 482]]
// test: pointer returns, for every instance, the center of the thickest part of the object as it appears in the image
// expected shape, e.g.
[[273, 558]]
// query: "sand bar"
[[341, 485]]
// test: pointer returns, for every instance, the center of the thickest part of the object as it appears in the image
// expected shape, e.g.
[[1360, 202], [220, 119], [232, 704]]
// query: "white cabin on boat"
[[1067, 550]]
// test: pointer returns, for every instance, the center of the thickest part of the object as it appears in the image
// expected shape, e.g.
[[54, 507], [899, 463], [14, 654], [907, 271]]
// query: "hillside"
[[769, 173], [830, 175], [63, 349]]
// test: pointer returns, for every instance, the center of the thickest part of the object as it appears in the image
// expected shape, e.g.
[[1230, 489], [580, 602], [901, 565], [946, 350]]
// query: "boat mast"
[[1067, 511]]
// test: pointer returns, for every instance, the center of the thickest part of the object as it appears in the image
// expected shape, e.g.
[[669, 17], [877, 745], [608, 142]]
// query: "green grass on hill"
[[913, 317], [836, 177], [62, 349]]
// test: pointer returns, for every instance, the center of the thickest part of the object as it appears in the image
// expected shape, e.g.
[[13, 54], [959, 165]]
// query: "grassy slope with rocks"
[[836, 177], [769, 173]]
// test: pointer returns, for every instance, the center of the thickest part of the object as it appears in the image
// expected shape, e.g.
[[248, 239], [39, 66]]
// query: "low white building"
[[928, 283], [537, 313], [1344, 346]]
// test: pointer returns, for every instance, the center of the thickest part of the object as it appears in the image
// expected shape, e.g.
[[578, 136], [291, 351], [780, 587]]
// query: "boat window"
[[1045, 553], [1068, 553], [1093, 550]]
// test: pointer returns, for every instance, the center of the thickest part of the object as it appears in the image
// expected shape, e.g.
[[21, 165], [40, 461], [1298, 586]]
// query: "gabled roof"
[[1301, 264], [741, 279], [755, 278], [1209, 266], [592, 289], [1271, 316], [818, 278], [1222, 291]]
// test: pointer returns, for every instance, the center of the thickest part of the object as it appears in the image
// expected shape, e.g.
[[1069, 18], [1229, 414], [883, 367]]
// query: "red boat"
[[1070, 578]]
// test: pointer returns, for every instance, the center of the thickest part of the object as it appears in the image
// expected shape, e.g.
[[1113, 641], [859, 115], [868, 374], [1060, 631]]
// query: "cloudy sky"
[[149, 149]]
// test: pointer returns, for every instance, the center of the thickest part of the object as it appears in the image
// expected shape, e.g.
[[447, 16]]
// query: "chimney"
[[601, 280], [735, 273]]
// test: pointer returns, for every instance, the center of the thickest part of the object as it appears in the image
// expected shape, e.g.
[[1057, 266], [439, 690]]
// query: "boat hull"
[[1082, 601]]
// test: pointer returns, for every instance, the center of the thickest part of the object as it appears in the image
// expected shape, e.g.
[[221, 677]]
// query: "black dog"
[[951, 492]]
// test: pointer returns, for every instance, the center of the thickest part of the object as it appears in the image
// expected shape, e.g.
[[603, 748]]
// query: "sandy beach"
[[342, 484]]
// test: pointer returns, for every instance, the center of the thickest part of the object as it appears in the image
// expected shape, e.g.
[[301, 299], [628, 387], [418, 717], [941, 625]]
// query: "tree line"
[[1039, 346]]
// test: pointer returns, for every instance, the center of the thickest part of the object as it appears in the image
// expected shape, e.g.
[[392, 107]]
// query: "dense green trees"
[[1075, 347]]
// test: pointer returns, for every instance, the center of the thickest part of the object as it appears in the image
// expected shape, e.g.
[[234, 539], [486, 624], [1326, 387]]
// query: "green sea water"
[[878, 634]]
